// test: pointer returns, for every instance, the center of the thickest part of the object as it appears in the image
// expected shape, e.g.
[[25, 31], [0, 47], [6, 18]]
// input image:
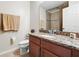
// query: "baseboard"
[[7, 51]]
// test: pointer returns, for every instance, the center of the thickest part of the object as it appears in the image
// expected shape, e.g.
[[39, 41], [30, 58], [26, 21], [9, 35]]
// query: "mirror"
[[51, 15]]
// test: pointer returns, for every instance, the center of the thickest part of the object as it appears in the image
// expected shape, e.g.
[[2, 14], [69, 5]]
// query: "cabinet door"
[[56, 49], [75, 53], [45, 53], [34, 50]]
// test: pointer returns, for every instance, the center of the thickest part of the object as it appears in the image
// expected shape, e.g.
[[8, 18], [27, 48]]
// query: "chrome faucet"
[[50, 31]]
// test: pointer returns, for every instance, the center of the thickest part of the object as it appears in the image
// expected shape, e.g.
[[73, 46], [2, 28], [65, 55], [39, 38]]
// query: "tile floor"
[[15, 53]]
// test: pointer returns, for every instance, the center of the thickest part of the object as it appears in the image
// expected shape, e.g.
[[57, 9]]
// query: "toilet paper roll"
[[12, 40]]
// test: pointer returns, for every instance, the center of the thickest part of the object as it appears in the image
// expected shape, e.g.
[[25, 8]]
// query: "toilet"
[[23, 46]]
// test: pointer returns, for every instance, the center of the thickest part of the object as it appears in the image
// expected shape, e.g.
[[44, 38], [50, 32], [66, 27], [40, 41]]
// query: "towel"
[[10, 22]]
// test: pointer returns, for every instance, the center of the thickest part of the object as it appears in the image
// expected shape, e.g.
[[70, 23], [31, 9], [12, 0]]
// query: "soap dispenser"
[[73, 35]]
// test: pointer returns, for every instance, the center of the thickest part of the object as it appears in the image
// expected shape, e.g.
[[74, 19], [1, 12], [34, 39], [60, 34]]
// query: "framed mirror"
[[51, 17]]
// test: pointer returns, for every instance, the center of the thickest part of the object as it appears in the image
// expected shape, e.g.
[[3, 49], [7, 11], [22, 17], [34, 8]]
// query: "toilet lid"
[[24, 42]]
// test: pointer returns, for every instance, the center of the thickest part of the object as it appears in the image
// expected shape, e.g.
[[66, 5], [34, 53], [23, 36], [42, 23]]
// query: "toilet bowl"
[[23, 46], [23, 43]]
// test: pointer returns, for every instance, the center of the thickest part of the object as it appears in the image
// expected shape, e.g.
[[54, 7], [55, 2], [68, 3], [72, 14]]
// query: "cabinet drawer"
[[54, 48], [35, 39], [45, 53]]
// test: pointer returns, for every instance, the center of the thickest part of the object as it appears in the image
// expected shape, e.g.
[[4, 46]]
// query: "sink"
[[52, 38], [48, 36], [61, 39]]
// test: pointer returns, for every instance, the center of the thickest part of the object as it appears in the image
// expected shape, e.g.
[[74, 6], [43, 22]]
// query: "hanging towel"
[[5, 22], [16, 22]]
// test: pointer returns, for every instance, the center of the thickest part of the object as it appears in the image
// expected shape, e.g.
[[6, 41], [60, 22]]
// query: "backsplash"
[[67, 33], [62, 33]]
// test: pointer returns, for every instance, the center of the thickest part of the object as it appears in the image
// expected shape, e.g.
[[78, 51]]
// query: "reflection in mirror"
[[53, 19], [51, 15]]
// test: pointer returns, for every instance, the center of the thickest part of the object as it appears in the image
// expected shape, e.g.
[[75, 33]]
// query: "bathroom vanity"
[[44, 45]]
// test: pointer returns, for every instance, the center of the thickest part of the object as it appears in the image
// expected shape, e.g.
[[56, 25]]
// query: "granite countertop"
[[60, 39]]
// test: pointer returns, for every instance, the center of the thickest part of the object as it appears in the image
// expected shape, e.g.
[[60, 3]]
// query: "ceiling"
[[51, 4]]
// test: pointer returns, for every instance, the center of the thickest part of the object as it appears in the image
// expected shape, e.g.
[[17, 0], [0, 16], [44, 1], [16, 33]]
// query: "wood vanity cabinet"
[[34, 46], [39, 47]]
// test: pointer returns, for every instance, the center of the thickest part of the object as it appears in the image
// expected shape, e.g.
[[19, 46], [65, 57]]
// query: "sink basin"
[[52, 38], [48, 36]]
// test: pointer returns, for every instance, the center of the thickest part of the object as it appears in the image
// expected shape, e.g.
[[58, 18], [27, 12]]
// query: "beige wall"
[[35, 15], [71, 17]]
